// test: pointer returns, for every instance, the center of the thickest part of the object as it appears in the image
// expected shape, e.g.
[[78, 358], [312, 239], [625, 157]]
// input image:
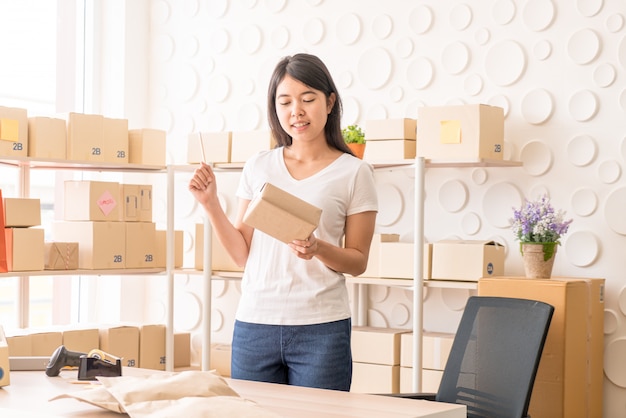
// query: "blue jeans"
[[317, 356]]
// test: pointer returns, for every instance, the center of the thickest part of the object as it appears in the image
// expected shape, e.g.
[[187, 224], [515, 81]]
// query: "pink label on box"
[[106, 203]]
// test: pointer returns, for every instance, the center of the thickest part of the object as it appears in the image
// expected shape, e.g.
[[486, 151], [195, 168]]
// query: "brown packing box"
[[375, 378], [390, 149], [216, 147], [115, 135], [561, 387], [281, 214], [161, 249], [384, 129], [460, 132], [467, 260], [220, 358], [147, 147], [25, 247], [431, 379], [145, 203], [81, 340], [13, 132], [85, 137], [22, 212], [397, 258], [87, 200], [220, 260], [101, 245], [152, 347], [140, 244], [121, 341], [45, 342], [47, 138], [436, 348], [60, 256], [376, 345], [182, 349], [5, 376], [248, 143]]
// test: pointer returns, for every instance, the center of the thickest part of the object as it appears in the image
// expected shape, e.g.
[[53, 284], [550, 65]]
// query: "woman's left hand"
[[305, 249]]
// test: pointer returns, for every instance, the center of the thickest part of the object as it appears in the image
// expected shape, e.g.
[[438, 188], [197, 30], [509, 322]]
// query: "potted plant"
[[354, 137]]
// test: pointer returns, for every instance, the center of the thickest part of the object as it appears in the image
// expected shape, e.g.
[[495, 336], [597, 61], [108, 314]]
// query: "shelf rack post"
[[169, 263], [418, 273], [207, 274]]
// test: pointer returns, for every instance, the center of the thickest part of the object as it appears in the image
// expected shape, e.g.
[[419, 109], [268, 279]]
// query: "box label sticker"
[[450, 132], [9, 129], [106, 202]]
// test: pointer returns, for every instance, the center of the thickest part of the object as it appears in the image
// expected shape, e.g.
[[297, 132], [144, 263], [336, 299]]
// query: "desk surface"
[[30, 391]]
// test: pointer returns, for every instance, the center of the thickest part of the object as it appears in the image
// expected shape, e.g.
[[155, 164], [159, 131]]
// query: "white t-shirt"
[[279, 288]]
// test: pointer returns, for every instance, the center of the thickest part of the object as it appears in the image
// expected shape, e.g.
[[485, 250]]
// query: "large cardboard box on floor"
[[47, 138], [24, 249], [245, 144], [85, 137], [214, 148], [567, 383], [13, 132], [21, 212], [376, 345], [87, 200], [460, 132], [101, 245], [281, 214], [121, 341], [385, 129], [467, 260]]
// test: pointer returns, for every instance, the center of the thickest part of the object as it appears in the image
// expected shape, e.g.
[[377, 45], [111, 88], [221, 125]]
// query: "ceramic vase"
[[538, 259]]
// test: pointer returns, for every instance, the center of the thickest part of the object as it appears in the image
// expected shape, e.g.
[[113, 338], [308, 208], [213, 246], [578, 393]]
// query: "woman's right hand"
[[202, 185]]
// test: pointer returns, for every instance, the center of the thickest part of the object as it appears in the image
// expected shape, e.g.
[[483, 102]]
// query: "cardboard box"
[[182, 349], [215, 147], [282, 215], [44, 343], [375, 378], [436, 348], [145, 203], [397, 258], [376, 345], [81, 340], [220, 259], [60, 255], [121, 341], [152, 347], [25, 247], [460, 132], [5, 377], [21, 212], [85, 137], [248, 143], [20, 345], [220, 358], [13, 132], [431, 379], [140, 244], [86, 200], [47, 138], [147, 147], [467, 260], [161, 249], [390, 149], [385, 129], [101, 245], [115, 145], [561, 387]]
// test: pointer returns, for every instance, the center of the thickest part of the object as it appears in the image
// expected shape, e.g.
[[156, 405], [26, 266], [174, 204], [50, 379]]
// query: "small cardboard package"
[[147, 147], [385, 129], [60, 255], [281, 214], [13, 132], [21, 212], [47, 137], [390, 149], [85, 137], [24, 248], [140, 245], [152, 346], [467, 260], [121, 341], [87, 200], [115, 146], [215, 147]]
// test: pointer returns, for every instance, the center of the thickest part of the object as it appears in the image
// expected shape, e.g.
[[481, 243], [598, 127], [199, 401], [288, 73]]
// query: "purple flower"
[[537, 221]]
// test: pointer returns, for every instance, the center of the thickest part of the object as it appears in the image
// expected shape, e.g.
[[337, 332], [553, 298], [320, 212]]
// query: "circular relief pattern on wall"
[[583, 46], [589, 8], [190, 47], [378, 294], [500, 101], [315, 2], [623, 149], [604, 75], [249, 117], [479, 176], [420, 73], [609, 171], [460, 16], [375, 68], [538, 15], [404, 47], [400, 314], [542, 49], [421, 19], [537, 158], [455, 57], [614, 209], [217, 320], [473, 84], [582, 248], [160, 12], [455, 299], [377, 111], [538, 191], [280, 37], [615, 23], [351, 110], [250, 39], [453, 195], [505, 63], [313, 31], [482, 36], [348, 28], [611, 321], [375, 318], [217, 8], [163, 48], [382, 26], [345, 79], [470, 223], [188, 311], [584, 201], [218, 88], [621, 52], [503, 11], [396, 93], [498, 202], [215, 120], [392, 210], [622, 100], [582, 150], [537, 106], [583, 105], [614, 364], [275, 6]]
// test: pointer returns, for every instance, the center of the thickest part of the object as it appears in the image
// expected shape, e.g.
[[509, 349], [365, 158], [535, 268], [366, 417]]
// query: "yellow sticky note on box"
[[450, 132], [9, 129]]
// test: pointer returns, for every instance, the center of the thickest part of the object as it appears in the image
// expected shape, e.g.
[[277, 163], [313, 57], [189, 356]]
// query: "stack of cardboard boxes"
[[390, 139]]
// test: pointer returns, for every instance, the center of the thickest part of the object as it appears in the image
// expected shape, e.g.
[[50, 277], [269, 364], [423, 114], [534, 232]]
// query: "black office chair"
[[494, 357]]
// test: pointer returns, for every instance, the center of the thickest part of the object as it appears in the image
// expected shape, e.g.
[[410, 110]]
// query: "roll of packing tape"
[[99, 354]]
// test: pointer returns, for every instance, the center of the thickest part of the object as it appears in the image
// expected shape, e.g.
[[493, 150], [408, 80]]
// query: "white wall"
[[557, 68]]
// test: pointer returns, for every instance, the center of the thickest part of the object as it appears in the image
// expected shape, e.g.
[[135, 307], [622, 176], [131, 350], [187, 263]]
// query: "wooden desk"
[[30, 391]]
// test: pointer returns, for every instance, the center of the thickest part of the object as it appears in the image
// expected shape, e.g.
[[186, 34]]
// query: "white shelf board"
[[61, 164], [408, 283], [83, 272]]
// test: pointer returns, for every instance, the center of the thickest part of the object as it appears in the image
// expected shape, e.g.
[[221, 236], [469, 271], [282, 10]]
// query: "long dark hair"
[[311, 71]]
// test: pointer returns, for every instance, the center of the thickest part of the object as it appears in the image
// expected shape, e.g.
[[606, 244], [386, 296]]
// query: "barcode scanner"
[[62, 357]]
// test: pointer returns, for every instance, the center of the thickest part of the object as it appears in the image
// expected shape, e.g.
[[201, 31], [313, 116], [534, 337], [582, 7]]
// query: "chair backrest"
[[495, 355]]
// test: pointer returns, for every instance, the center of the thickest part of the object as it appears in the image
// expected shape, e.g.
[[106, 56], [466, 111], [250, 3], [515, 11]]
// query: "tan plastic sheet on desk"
[[189, 394]]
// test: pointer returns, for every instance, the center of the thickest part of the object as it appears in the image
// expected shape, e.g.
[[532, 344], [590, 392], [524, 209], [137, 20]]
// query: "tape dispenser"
[[92, 364]]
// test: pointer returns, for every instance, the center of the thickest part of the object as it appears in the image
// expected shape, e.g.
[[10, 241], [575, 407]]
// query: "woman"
[[293, 321]]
